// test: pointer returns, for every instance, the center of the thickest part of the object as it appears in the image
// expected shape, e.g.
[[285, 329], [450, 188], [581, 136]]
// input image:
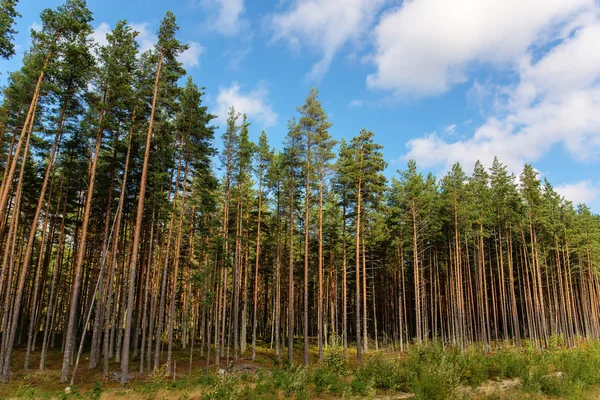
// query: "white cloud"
[[99, 34], [355, 103], [237, 56], [324, 25], [425, 47], [450, 129], [555, 102], [225, 16], [583, 192], [191, 57], [145, 38], [253, 103], [36, 26]]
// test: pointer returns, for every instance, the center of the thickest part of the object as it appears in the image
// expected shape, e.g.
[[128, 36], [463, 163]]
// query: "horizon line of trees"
[[118, 240]]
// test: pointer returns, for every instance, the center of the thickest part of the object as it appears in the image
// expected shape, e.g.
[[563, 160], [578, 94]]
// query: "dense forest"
[[125, 235]]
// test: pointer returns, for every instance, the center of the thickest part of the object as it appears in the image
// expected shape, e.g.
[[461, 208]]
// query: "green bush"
[[435, 382], [326, 380], [472, 366], [384, 374], [96, 392], [433, 372], [555, 385], [334, 357], [27, 392], [225, 389], [582, 365], [291, 379], [361, 385], [506, 363]]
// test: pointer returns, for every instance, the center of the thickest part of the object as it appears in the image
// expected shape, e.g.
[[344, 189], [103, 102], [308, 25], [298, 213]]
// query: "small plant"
[[385, 374], [292, 379], [361, 386], [334, 356], [96, 392], [435, 382], [472, 366], [506, 363], [326, 380], [160, 373], [434, 374], [27, 392], [554, 385], [225, 389]]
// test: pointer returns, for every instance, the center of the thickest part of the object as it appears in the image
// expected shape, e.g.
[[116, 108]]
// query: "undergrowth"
[[430, 371]]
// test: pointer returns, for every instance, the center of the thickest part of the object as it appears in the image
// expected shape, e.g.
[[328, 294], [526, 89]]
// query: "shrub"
[[27, 392], [506, 363], [361, 386], [96, 392], [292, 379], [555, 385], [582, 365], [472, 366], [326, 380], [225, 389], [434, 374], [384, 374], [435, 382], [334, 357]]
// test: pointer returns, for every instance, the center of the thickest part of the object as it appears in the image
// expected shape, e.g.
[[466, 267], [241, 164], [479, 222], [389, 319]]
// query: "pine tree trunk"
[[256, 265], [175, 271], [73, 314], [9, 333], [358, 214], [290, 305], [137, 232], [320, 266], [306, 255]]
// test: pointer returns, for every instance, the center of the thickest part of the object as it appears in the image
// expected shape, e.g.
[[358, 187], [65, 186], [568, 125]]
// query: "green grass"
[[430, 371]]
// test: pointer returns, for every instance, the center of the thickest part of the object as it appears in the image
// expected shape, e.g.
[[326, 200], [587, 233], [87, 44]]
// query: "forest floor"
[[423, 372]]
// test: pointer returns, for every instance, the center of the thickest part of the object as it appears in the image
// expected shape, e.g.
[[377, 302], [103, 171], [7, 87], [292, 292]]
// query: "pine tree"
[[116, 77], [365, 175], [244, 158], [263, 158], [64, 33], [292, 153], [166, 52], [342, 185], [8, 14], [479, 198], [408, 195], [312, 126]]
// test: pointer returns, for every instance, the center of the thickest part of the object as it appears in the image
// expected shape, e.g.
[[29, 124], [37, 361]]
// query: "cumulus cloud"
[[225, 16], [191, 57], [324, 25], [253, 103], [99, 34], [145, 38], [425, 47], [583, 192], [554, 102]]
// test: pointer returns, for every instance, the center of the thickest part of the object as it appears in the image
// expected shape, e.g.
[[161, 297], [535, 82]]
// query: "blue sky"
[[439, 81]]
